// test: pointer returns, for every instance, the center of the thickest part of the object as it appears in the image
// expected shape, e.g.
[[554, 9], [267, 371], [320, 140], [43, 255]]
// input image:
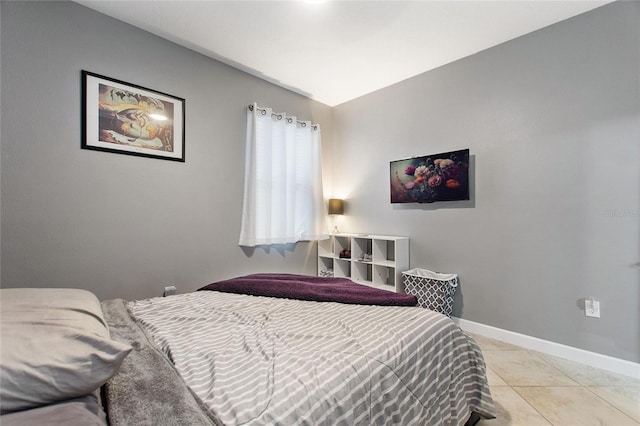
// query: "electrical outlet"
[[169, 291], [592, 308]]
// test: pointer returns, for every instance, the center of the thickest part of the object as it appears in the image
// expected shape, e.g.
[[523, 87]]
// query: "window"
[[283, 198]]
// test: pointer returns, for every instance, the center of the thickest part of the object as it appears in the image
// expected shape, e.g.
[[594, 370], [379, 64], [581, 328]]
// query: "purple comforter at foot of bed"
[[318, 289]]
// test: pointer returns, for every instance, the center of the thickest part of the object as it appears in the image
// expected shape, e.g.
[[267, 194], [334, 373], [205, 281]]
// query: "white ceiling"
[[335, 51]]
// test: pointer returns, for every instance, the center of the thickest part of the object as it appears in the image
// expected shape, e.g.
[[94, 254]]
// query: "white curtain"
[[283, 197]]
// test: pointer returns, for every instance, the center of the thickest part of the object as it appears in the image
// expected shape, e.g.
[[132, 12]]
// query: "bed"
[[286, 349]]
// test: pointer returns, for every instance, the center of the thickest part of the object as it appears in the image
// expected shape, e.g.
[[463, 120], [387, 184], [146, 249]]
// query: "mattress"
[[254, 360]]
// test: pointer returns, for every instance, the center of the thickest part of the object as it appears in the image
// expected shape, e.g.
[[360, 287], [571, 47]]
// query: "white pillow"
[[54, 345]]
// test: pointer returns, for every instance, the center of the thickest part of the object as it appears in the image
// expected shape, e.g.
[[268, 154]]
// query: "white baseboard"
[[593, 359]]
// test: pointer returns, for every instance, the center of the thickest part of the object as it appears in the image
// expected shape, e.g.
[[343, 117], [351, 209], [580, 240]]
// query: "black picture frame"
[[430, 178], [125, 118]]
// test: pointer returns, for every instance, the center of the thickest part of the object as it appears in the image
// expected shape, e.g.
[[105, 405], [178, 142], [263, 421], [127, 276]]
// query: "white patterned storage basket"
[[433, 290]]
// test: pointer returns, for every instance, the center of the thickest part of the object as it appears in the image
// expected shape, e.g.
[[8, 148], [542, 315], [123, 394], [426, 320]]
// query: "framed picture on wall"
[[125, 118]]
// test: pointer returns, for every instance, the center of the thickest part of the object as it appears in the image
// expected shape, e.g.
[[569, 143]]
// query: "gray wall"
[[119, 225], [553, 123]]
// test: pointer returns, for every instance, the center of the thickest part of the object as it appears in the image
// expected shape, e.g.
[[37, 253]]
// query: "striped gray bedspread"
[[267, 361]]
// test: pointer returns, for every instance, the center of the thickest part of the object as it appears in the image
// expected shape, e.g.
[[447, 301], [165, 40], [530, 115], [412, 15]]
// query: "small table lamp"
[[336, 206]]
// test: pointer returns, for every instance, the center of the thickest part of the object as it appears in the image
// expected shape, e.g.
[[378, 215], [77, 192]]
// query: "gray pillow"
[[55, 346]]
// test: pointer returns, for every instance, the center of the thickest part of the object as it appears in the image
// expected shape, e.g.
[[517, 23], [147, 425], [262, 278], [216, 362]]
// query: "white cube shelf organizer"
[[374, 260]]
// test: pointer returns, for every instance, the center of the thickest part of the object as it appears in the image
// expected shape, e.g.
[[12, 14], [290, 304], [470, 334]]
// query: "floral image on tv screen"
[[438, 177]]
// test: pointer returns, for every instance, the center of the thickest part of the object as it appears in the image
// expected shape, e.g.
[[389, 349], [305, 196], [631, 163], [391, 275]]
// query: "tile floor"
[[534, 389]]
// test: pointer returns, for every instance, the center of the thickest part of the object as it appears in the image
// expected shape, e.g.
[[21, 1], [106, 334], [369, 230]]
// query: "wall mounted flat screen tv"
[[437, 177]]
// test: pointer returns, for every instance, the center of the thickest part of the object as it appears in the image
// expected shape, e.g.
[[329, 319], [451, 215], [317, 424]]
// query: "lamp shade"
[[336, 206]]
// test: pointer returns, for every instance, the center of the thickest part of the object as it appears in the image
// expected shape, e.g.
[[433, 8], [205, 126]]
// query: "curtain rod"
[[289, 119]]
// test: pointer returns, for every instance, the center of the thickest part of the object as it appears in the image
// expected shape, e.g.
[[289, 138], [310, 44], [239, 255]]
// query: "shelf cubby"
[[386, 258]]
